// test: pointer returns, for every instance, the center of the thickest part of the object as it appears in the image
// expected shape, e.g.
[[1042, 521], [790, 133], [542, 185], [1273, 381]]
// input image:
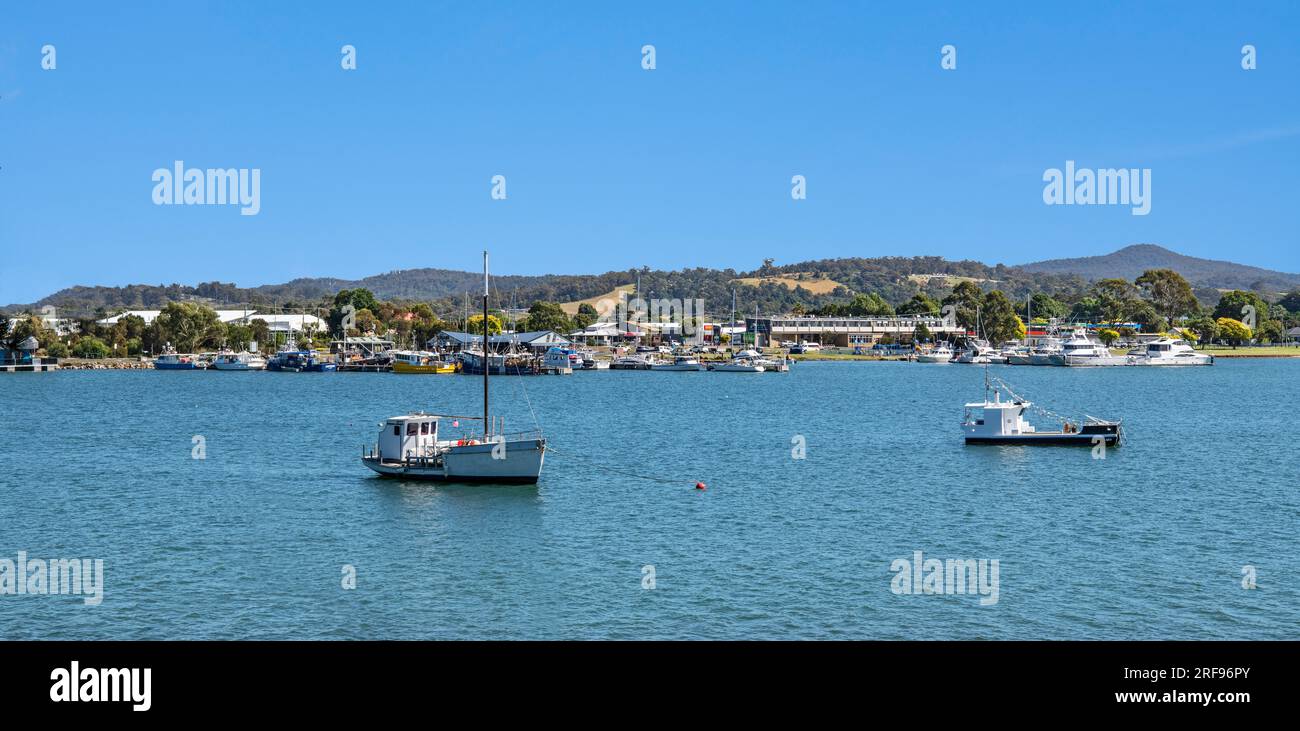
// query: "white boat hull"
[[733, 368], [520, 464], [932, 358]]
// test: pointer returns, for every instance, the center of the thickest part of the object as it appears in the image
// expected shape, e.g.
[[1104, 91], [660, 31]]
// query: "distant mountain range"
[[1130, 261], [771, 288]]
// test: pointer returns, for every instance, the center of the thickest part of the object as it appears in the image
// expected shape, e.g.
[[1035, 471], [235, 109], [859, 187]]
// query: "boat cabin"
[[999, 418], [409, 436]]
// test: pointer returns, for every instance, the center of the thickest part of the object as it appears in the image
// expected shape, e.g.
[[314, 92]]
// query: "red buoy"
[[699, 486]]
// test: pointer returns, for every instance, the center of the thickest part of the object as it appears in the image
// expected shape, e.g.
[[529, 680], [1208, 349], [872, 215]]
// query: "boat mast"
[[487, 363]]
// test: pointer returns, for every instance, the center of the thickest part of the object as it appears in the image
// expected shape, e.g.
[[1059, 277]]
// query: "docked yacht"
[[679, 363], [1044, 353], [1171, 352], [228, 360], [1003, 422], [940, 353], [739, 364], [416, 446], [1081, 350]]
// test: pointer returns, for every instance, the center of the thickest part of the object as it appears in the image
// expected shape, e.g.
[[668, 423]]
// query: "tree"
[[1234, 331], [1168, 293], [475, 325], [920, 304], [365, 322], [32, 326], [586, 316], [998, 316], [965, 299], [1116, 299], [358, 300], [921, 333], [1239, 305], [869, 305], [1206, 328], [1046, 307], [188, 326], [89, 346], [547, 316], [1291, 302], [1108, 336]]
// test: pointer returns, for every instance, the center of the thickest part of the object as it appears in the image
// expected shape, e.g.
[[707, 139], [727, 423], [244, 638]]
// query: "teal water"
[[251, 541]]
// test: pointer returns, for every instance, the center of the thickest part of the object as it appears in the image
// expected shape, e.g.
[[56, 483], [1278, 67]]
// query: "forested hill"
[[1130, 261], [772, 287]]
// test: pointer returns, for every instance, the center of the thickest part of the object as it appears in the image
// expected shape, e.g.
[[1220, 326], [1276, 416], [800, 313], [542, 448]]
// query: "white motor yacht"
[[1171, 352], [940, 353]]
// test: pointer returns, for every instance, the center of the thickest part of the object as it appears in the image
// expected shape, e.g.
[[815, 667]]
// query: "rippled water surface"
[[251, 541]]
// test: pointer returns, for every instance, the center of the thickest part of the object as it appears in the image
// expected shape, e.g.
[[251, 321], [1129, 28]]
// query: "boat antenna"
[[487, 363]]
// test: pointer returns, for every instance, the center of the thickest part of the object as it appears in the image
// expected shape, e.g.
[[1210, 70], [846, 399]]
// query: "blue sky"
[[610, 166]]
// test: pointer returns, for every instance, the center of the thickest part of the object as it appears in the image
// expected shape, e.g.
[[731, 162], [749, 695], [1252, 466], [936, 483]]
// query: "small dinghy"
[[1003, 422]]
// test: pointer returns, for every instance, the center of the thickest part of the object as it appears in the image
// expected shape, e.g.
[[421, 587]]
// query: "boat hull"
[[401, 367], [1053, 439], [175, 366], [522, 464]]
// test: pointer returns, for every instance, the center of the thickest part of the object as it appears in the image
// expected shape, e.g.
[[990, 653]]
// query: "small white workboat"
[[414, 446], [1003, 422]]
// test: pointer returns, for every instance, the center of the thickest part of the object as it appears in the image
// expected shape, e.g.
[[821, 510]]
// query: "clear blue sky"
[[610, 166]]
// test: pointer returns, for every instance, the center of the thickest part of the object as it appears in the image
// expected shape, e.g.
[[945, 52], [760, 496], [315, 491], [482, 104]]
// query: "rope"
[[624, 473]]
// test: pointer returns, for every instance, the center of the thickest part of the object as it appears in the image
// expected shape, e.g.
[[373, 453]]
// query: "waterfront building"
[[844, 332], [538, 341]]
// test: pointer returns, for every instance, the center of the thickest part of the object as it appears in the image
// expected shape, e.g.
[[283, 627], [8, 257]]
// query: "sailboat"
[[415, 446]]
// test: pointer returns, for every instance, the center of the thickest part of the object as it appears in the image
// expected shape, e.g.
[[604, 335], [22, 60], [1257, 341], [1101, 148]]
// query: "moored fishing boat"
[[409, 361], [410, 447], [291, 359], [228, 360], [1003, 422], [170, 360]]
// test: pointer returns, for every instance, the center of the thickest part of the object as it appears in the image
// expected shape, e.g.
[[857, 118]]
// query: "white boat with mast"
[[412, 446]]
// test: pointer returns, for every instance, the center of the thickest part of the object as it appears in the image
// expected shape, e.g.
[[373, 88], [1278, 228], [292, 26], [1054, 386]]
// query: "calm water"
[[250, 542]]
